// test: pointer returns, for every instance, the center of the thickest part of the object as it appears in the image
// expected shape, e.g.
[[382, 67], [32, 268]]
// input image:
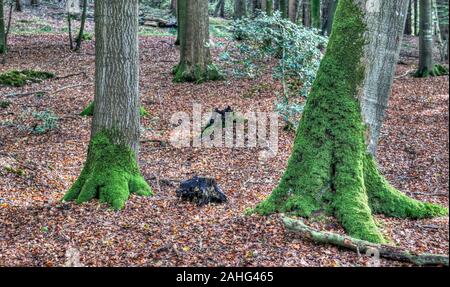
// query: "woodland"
[[165, 133]]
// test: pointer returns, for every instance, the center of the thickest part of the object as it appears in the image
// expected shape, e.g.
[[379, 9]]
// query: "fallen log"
[[357, 245]]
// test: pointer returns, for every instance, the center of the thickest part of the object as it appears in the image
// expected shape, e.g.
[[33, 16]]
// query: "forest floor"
[[36, 229]]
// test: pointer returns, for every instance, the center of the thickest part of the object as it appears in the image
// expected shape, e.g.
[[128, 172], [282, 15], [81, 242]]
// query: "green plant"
[[4, 104], [297, 50], [47, 121]]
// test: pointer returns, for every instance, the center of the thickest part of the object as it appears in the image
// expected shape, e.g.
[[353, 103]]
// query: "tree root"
[[357, 245]]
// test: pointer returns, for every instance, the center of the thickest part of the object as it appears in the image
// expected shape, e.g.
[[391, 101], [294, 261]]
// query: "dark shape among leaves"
[[201, 190]]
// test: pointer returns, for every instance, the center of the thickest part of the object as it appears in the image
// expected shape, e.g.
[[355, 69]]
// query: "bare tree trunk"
[[18, 5], [408, 25], [426, 63], [219, 10], [195, 58], [284, 8], [240, 9], [82, 24], [306, 13], [385, 35], [111, 171], [292, 11]]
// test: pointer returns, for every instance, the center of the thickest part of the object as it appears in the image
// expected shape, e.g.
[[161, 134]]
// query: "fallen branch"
[[357, 245], [14, 95]]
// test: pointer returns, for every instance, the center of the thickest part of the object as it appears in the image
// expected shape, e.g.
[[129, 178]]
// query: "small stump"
[[201, 190]]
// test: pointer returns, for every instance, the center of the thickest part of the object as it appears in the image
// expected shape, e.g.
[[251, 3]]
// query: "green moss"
[[110, 174], [387, 200], [5, 104], [197, 74], [89, 111], [328, 170], [21, 78]]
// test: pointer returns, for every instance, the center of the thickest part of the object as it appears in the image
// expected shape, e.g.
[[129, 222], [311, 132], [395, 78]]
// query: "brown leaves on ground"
[[37, 230]]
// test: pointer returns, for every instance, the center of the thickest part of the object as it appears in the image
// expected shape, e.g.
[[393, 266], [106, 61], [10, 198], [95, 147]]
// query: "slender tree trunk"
[[240, 9], [18, 6], [269, 7], [328, 25], [82, 24], [330, 170], [408, 25], [2, 29], [180, 21], [69, 25], [284, 8], [219, 8], [426, 63], [306, 13], [292, 11], [315, 13], [416, 17], [111, 171], [195, 58]]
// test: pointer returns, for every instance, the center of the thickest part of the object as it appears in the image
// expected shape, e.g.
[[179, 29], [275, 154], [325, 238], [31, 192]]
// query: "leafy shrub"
[[297, 50], [47, 121]]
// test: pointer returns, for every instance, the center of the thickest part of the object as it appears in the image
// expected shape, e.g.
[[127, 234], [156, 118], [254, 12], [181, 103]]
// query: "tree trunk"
[[330, 170], [328, 25], [315, 13], [180, 22], [292, 11], [284, 8], [219, 10], [269, 7], [408, 25], [18, 6], [82, 24], [416, 17], [240, 9], [111, 171], [426, 63], [306, 13], [2, 29], [195, 59]]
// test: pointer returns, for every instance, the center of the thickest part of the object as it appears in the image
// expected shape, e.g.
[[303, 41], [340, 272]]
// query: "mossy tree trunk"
[[284, 8], [111, 171], [240, 9], [315, 13], [328, 25], [330, 170], [2, 29], [195, 59]]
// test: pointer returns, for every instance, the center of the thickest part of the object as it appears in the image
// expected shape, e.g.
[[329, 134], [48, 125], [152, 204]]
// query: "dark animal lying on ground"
[[201, 190]]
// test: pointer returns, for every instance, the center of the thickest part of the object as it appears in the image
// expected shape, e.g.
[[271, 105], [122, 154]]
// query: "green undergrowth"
[[21, 78], [438, 70], [111, 174], [89, 111], [329, 171]]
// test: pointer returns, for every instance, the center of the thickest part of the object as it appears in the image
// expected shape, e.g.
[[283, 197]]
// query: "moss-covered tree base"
[[110, 174], [21, 78], [89, 111], [437, 71], [329, 170], [184, 72]]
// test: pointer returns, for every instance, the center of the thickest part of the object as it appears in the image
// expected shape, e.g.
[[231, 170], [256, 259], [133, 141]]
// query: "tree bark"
[[2, 29], [328, 25], [220, 9], [111, 171], [284, 8], [426, 64], [269, 7], [18, 6], [383, 250], [292, 11], [330, 170], [195, 58], [315, 13], [240, 9], [408, 25], [82, 24]]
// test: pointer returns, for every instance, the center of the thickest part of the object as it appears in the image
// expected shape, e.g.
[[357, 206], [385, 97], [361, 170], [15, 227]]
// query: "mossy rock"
[[89, 111], [21, 78], [186, 73]]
